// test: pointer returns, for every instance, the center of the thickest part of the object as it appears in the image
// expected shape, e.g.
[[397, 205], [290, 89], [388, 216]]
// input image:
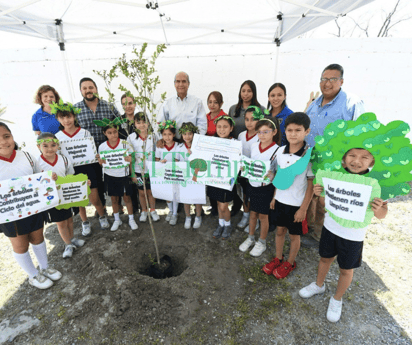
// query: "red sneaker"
[[270, 266], [283, 270]]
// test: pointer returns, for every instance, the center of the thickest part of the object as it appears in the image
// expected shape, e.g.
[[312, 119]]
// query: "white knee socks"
[[40, 251], [26, 263]]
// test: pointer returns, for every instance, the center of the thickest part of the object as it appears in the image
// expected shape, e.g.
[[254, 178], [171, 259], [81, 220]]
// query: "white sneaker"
[[51, 273], [155, 216], [68, 251], [197, 223], [244, 221], [132, 224], [86, 229], [40, 281], [173, 219], [116, 225], [143, 216], [334, 310], [311, 290], [258, 249], [78, 243], [246, 244], [104, 224], [169, 216], [257, 227], [188, 222]]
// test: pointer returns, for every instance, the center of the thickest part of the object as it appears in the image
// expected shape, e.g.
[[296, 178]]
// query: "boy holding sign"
[[344, 243]]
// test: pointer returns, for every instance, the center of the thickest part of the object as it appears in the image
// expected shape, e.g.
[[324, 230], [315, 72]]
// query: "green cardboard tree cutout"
[[198, 165]]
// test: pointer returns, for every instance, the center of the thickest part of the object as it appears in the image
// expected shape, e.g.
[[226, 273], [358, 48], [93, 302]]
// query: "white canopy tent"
[[174, 22]]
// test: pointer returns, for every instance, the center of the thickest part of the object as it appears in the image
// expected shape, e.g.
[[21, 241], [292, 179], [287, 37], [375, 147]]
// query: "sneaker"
[[197, 223], [244, 221], [143, 216], [104, 224], [334, 310], [311, 290], [271, 266], [77, 243], [51, 273], [283, 270], [173, 219], [132, 224], [86, 229], [258, 249], [169, 216], [218, 232], [247, 244], [227, 230], [68, 251], [257, 227], [188, 223], [40, 281], [116, 225], [155, 216]]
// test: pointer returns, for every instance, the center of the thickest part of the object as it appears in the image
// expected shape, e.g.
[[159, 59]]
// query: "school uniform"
[[20, 163], [169, 153], [261, 195], [117, 181], [62, 167], [140, 146], [247, 143], [288, 201]]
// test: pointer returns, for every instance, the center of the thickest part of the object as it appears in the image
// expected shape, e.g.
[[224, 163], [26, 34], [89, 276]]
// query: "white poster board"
[[72, 192], [114, 158], [79, 151], [346, 200], [25, 196], [255, 170], [172, 181], [221, 158]]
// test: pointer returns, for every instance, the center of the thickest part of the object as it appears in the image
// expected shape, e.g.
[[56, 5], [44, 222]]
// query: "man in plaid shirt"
[[93, 108]]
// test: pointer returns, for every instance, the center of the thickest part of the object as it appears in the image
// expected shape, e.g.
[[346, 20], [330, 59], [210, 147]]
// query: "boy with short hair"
[[344, 243], [291, 204]]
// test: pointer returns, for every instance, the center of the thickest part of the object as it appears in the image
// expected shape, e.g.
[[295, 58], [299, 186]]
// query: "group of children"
[[260, 141]]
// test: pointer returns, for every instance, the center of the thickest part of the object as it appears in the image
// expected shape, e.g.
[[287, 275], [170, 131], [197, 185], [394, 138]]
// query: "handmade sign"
[[114, 158], [284, 177], [348, 197], [79, 151], [215, 161], [73, 191], [25, 196], [173, 181], [390, 148], [255, 170]]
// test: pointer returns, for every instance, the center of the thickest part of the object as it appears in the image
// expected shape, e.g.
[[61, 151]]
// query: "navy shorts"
[[93, 172], [284, 216], [349, 252]]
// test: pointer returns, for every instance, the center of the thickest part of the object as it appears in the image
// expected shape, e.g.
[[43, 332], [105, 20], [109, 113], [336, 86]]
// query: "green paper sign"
[[73, 191]]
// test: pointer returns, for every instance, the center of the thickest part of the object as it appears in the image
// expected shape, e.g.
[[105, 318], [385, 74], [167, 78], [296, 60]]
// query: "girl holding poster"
[[187, 131], [48, 144], [224, 129], [70, 129], [116, 178], [169, 153], [13, 164]]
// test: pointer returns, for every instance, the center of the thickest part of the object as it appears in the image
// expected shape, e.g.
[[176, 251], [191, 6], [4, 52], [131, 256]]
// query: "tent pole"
[[277, 62], [68, 75]]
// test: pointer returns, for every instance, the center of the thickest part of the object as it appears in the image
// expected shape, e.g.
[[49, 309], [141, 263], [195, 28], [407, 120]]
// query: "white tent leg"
[[277, 63], [68, 76]]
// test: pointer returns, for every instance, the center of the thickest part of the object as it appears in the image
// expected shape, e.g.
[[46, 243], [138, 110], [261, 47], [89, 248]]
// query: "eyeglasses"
[[264, 132], [332, 80]]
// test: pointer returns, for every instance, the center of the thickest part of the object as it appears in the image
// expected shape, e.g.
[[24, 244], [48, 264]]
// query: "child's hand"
[[300, 216], [379, 208], [134, 179], [189, 152], [160, 144], [98, 156], [102, 161], [272, 204], [163, 161], [270, 175], [54, 176], [317, 189], [89, 183], [128, 159]]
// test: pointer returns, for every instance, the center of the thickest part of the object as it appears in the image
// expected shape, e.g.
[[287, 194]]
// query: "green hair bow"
[[257, 113], [188, 127], [61, 106], [47, 140], [167, 124], [226, 117], [107, 123]]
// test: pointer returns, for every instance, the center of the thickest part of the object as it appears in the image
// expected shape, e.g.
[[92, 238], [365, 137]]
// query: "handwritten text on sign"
[[255, 170], [346, 200], [79, 151], [114, 159], [72, 192]]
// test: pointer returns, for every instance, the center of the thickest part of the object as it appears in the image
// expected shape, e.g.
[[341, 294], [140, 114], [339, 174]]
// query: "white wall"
[[377, 70]]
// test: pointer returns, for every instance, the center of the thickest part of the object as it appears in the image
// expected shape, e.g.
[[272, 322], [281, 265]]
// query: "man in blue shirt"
[[334, 104]]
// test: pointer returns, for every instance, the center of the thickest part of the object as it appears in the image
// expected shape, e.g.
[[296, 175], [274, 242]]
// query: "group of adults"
[[333, 104]]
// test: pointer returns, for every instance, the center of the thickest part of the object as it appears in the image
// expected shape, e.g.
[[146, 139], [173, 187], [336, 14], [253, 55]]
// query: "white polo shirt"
[[61, 165], [121, 144], [167, 152], [247, 142], [295, 194], [19, 164], [184, 152], [136, 141], [257, 153], [79, 134]]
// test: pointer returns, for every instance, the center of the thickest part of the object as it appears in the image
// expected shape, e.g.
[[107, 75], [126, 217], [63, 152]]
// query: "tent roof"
[[169, 21]]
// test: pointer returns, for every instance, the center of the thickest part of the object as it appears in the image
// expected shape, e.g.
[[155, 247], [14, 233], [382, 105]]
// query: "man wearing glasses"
[[334, 104]]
